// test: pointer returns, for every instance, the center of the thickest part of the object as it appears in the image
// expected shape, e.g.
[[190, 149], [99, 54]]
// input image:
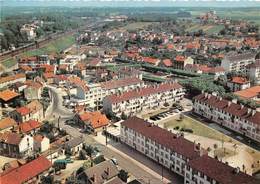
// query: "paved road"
[[136, 169]]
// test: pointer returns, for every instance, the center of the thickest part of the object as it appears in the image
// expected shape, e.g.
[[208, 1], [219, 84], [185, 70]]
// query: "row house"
[[229, 114], [12, 79], [97, 92], [15, 145], [145, 98], [34, 61], [178, 154], [238, 62]]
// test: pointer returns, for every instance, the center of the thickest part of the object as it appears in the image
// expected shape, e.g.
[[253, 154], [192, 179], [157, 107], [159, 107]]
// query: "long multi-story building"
[[229, 114], [254, 72], [238, 62], [141, 99], [97, 92], [178, 154]]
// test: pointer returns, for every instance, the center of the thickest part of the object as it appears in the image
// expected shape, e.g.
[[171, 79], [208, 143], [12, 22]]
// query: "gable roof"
[[96, 119], [101, 172], [163, 137], [74, 142], [113, 84], [145, 91], [28, 126], [239, 80], [7, 123], [26, 172], [12, 77], [219, 171], [11, 138], [249, 93]]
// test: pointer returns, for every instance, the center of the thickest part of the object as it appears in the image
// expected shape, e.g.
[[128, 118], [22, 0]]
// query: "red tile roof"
[[239, 80], [28, 126], [161, 136], [7, 123], [48, 75], [26, 172], [11, 138], [12, 77], [96, 119], [7, 95], [145, 91], [219, 171], [23, 110], [113, 84], [167, 62], [180, 58], [233, 108], [150, 60], [249, 93]]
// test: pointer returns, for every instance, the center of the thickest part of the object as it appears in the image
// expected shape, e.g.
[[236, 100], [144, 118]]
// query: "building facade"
[[229, 114], [146, 98]]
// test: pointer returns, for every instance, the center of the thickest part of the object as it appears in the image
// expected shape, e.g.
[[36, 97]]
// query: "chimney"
[[229, 103], [253, 112], [108, 171], [249, 110], [94, 178], [241, 106]]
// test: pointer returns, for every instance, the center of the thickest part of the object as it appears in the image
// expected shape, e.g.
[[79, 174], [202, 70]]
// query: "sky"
[[134, 3]]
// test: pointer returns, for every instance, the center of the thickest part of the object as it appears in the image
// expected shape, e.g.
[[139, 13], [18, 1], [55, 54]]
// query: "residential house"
[[28, 127], [12, 79], [41, 143], [252, 93], [30, 172], [150, 60], [145, 98], [166, 63], [15, 145], [92, 120], [238, 83], [229, 114], [33, 90], [33, 110], [181, 61], [7, 124], [74, 145], [101, 173], [8, 98]]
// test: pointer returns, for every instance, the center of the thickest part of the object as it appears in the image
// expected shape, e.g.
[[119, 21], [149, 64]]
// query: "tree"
[[90, 152], [123, 175]]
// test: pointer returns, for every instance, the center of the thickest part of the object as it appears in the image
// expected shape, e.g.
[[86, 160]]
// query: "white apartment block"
[[229, 114], [141, 99], [178, 154], [97, 92], [254, 72], [72, 60], [168, 149], [238, 62]]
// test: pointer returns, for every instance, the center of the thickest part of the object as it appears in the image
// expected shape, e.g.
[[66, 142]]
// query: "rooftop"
[[7, 95], [249, 93]]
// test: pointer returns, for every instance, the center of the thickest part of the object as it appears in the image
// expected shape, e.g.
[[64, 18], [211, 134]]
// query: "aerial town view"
[[129, 92]]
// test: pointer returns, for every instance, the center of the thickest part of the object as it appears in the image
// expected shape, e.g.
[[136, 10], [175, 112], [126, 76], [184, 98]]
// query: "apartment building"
[[254, 72], [178, 154], [207, 170], [238, 62], [145, 98], [170, 150], [229, 114], [97, 92]]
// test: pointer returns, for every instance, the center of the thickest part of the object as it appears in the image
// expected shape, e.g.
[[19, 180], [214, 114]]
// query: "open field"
[[137, 25], [9, 62], [209, 29], [53, 47], [198, 128]]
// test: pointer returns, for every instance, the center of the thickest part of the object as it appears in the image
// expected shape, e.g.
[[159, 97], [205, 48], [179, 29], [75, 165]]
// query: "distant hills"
[[134, 3]]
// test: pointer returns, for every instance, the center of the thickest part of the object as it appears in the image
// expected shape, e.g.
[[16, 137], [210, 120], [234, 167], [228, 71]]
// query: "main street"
[[133, 162]]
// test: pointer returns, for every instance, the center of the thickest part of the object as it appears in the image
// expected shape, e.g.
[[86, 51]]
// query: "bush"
[[176, 128]]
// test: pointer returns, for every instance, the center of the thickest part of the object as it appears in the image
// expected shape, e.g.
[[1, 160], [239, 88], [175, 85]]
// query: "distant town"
[[130, 96]]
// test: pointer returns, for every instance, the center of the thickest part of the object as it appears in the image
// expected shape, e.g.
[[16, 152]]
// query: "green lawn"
[[137, 25], [9, 63], [53, 47], [197, 127]]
